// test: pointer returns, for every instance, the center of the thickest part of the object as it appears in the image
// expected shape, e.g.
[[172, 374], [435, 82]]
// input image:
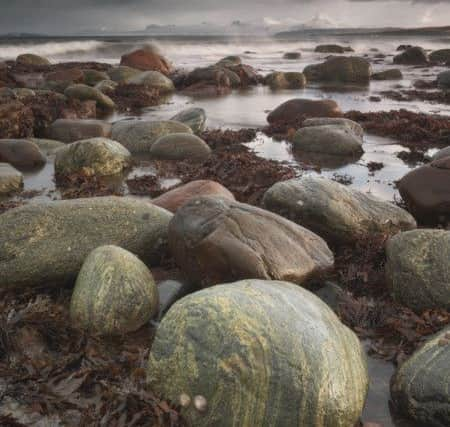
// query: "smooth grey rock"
[[334, 211], [154, 80], [170, 291], [86, 93], [21, 153], [413, 55], [180, 146], [122, 73], [11, 180], [71, 130], [443, 80], [195, 118], [441, 154], [48, 146], [356, 128], [343, 69]]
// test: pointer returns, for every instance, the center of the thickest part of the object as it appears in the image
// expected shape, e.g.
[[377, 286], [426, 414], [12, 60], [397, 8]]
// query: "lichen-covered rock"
[[122, 73], [258, 353], [328, 139], [195, 118], [420, 389], [11, 180], [340, 69], [153, 80], [418, 268], [394, 74], [334, 211], [413, 55], [21, 153], [86, 93], [138, 136], [294, 109], [67, 130], [32, 59], [355, 127], [56, 237], [290, 80], [215, 240], [114, 293], [174, 199], [180, 146], [96, 156]]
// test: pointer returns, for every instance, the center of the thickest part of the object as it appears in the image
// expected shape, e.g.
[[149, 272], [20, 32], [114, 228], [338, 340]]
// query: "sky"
[[68, 16]]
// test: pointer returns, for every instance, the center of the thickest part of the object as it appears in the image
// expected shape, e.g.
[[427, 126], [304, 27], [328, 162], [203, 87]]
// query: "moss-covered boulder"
[[418, 268], [337, 213], [11, 180], [86, 93], [420, 388], [216, 240], [195, 118], [258, 353], [343, 69], [138, 136], [114, 293], [96, 156], [45, 244], [180, 146], [32, 59]]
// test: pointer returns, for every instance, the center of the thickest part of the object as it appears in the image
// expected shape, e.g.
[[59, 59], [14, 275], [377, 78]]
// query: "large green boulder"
[[418, 268], [153, 80], [122, 73], [96, 156], [114, 293], [420, 388], [87, 93], [343, 69], [45, 244], [138, 136], [216, 240], [337, 213], [258, 353], [32, 59]]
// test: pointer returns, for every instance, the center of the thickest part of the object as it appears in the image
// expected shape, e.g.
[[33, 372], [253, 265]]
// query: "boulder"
[[355, 127], [417, 269], [147, 59], [47, 146], [114, 294], [230, 61], [86, 93], [180, 146], [247, 75], [11, 180], [291, 80], [92, 77], [138, 136], [122, 73], [443, 80], [332, 48], [441, 154], [412, 56], [106, 86], [174, 199], [440, 56], [31, 59], [16, 120], [393, 74], [193, 117], [292, 55], [426, 191], [336, 140], [258, 353], [66, 130], [211, 75], [419, 389], [154, 80], [96, 156], [21, 153], [57, 236], [403, 47], [294, 109], [334, 211], [59, 80], [215, 240], [340, 69]]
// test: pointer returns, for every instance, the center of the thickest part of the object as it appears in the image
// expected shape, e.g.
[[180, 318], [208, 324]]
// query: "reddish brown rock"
[[21, 153], [16, 120], [65, 77], [426, 191], [174, 199], [146, 60], [292, 110]]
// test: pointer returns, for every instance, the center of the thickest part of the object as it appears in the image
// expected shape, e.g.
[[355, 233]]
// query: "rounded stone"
[[417, 268], [71, 130], [291, 80], [122, 73], [420, 388], [11, 180], [443, 80], [92, 77], [138, 136], [32, 59], [441, 154], [105, 86], [195, 118], [147, 59], [86, 93], [292, 55], [413, 55], [96, 156], [394, 74], [180, 146], [334, 211], [355, 127], [21, 153], [328, 139], [332, 48], [343, 69], [57, 236], [114, 293], [153, 80], [258, 353], [441, 56]]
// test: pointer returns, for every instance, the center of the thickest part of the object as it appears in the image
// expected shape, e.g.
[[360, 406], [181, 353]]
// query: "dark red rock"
[[146, 60]]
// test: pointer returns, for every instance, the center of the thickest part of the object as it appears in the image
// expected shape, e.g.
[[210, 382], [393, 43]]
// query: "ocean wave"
[[50, 49]]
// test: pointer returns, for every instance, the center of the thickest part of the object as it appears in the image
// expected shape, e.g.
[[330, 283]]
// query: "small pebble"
[[185, 400], [200, 403]]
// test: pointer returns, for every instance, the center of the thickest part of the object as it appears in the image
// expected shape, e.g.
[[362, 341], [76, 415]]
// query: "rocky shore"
[[247, 291]]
